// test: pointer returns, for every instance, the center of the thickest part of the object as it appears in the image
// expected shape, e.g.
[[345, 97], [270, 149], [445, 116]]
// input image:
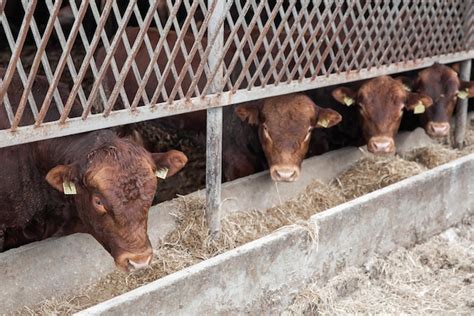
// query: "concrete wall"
[[61, 266], [262, 276]]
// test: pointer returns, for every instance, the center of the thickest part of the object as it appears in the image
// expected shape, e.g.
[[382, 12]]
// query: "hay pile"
[[434, 277], [432, 156], [373, 173], [190, 243]]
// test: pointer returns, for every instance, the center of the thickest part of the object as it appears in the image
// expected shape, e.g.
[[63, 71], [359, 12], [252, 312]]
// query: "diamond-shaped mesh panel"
[[73, 66]]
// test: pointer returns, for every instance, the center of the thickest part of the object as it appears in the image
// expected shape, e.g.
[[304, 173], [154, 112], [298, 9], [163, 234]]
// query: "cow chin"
[[285, 173]]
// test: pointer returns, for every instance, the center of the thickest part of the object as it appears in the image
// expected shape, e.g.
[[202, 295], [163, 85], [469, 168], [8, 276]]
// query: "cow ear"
[[248, 112], [456, 67], [418, 102], [131, 133], [169, 163], [62, 178], [344, 95], [327, 118], [467, 87], [407, 82]]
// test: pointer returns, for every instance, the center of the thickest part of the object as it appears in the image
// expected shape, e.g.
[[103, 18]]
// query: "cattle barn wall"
[[266, 273]]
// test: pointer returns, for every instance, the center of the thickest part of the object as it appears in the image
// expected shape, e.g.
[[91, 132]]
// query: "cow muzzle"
[[134, 261], [381, 145], [438, 129], [284, 173]]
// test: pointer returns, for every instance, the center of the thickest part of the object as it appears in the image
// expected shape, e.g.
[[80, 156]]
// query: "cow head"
[[113, 187], [284, 128], [381, 102], [443, 85]]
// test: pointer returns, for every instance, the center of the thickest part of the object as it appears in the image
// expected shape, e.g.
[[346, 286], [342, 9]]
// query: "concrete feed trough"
[[262, 275]]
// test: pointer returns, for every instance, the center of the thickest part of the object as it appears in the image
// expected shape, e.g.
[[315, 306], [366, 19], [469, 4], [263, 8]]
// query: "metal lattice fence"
[[127, 61]]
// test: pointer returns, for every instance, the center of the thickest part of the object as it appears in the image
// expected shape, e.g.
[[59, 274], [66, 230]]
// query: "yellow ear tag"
[[69, 188], [348, 101], [161, 173], [323, 122], [462, 94], [419, 108], [407, 88]]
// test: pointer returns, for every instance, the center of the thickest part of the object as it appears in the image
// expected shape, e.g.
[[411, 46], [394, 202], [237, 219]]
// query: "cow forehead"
[[438, 80], [381, 92], [292, 109], [115, 179]]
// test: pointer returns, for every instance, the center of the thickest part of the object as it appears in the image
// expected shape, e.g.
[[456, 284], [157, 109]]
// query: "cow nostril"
[[286, 173], [139, 265], [382, 145], [438, 129]]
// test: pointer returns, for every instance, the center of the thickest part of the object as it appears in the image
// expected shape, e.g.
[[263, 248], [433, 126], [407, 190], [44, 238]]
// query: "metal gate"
[[231, 51]]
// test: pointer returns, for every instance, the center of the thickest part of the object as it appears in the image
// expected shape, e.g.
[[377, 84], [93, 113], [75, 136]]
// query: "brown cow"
[[381, 102], [284, 125], [94, 182], [443, 85]]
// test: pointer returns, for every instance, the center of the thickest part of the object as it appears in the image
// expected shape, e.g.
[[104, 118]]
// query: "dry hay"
[[468, 141], [434, 277], [373, 173], [190, 243], [432, 156]]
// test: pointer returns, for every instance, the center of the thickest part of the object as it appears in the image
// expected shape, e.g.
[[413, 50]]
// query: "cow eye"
[[99, 204], [265, 132]]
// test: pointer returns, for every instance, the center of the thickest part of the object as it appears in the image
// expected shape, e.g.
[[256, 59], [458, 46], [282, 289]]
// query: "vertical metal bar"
[[461, 114], [214, 127], [464, 75]]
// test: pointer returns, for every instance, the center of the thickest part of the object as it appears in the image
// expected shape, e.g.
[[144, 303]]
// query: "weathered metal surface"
[[268, 48], [214, 124]]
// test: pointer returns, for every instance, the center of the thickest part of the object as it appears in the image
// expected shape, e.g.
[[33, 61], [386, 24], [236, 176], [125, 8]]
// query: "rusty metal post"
[[214, 125], [461, 114]]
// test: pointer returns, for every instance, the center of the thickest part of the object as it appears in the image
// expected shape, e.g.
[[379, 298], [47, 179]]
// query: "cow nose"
[[438, 129], [140, 264], [129, 261], [379, 145], [285, 174]]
